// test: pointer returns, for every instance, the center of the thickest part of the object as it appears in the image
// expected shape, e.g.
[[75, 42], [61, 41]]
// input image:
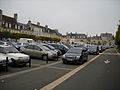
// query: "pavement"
[[101, 72]]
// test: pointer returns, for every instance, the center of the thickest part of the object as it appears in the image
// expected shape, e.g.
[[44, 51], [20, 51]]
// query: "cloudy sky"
[[83, 16]]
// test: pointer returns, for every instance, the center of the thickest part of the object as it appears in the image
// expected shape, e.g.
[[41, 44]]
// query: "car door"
[[37, 51], [84, 55], [29, 50]]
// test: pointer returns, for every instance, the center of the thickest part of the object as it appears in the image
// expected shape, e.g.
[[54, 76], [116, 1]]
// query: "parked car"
[[93, 49], [81, 46], [9, 43], [52, 48], [39, 51], [61, 47], [5, 43], [2, 60], [75, 55], [68, 45], [100, 48], [14, 56]]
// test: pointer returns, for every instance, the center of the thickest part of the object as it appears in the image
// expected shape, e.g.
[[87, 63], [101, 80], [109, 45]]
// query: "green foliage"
[[99, 43], [7, 34], [117, 37]]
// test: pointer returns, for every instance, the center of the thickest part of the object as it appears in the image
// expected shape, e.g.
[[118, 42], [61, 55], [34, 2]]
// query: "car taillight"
[[7, 45]]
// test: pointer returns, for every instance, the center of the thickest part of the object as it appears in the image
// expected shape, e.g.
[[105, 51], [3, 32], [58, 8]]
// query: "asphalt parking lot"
[[35, 63]]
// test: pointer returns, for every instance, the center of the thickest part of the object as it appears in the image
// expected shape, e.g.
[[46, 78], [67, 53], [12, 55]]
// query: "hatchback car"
[[39, 51], [2, 60], [75, 55], [93, 49], [14, 56]]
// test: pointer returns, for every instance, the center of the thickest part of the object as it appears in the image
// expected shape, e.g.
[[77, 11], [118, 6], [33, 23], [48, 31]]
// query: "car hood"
[[72, 54], [2, 57], [17, 55]]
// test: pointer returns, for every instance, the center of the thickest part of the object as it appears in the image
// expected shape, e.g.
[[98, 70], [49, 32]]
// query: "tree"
[[117, 36]]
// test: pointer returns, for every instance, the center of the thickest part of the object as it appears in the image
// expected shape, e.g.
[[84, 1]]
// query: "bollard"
[[6, 66], [30, 62], [47, 59]]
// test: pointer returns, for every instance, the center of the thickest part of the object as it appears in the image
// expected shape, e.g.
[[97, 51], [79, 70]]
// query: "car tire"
[[80, 62], [64, 62], [45, 57]]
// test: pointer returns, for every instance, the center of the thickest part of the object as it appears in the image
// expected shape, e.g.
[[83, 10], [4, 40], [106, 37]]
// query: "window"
[[30, 47], [10, 25], [18, 27], [15, 26], [37, 48], [6, 25]]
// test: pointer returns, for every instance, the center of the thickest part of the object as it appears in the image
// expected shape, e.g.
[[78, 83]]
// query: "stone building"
[[11, 24]]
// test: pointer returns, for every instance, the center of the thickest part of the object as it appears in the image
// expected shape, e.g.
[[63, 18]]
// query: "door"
[[38, 51], [29, 50]]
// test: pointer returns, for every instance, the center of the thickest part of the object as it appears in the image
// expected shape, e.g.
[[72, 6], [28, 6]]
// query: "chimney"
[[38, 23], [1, 15], [29, 23], [16, 16], [46, 26]]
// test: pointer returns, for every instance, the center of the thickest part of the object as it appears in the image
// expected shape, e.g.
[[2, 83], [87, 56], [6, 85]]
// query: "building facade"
[[12, 25], [43, 30], [76, 37]]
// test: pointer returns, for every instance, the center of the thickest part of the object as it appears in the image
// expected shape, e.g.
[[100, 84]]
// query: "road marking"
[[60, 68], [110, 53], [26, 71], [107, 61], [66, 76]]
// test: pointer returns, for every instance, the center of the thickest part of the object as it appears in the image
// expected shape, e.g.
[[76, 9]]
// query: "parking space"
[[34, 64], [38, 63]]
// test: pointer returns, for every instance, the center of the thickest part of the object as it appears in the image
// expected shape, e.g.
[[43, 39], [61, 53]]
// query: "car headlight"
[[77, 57], [63, 56]]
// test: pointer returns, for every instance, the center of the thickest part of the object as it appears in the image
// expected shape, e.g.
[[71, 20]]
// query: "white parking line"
[[68, 75], [26, 71], [110, 54], [60, 68]]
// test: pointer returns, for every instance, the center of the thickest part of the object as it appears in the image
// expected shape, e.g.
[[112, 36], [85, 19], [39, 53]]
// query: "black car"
[[61, 47], [75, 55], [93, 49]]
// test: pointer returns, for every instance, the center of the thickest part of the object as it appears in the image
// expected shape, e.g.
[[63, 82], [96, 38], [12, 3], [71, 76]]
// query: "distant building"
[[76, 37], [43, 30], [11, 24], [107, 38]]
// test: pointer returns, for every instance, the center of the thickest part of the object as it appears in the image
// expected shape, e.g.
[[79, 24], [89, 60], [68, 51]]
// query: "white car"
[[2, 60], [14, 56]]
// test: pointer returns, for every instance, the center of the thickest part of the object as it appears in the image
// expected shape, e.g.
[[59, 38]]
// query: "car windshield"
[[75, 51], [50, 47], [44, 48], [92, 47], [65, 46], [11, 50]]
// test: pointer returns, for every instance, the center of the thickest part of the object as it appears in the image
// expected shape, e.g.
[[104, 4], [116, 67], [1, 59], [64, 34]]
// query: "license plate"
[[70, 59]]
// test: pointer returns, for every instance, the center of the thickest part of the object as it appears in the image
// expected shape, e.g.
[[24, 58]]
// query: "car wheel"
[[81, 62], [64, 62], [45, 57]]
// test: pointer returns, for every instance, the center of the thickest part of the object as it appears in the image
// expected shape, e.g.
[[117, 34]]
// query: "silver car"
[[14, 56], [39, 51]]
